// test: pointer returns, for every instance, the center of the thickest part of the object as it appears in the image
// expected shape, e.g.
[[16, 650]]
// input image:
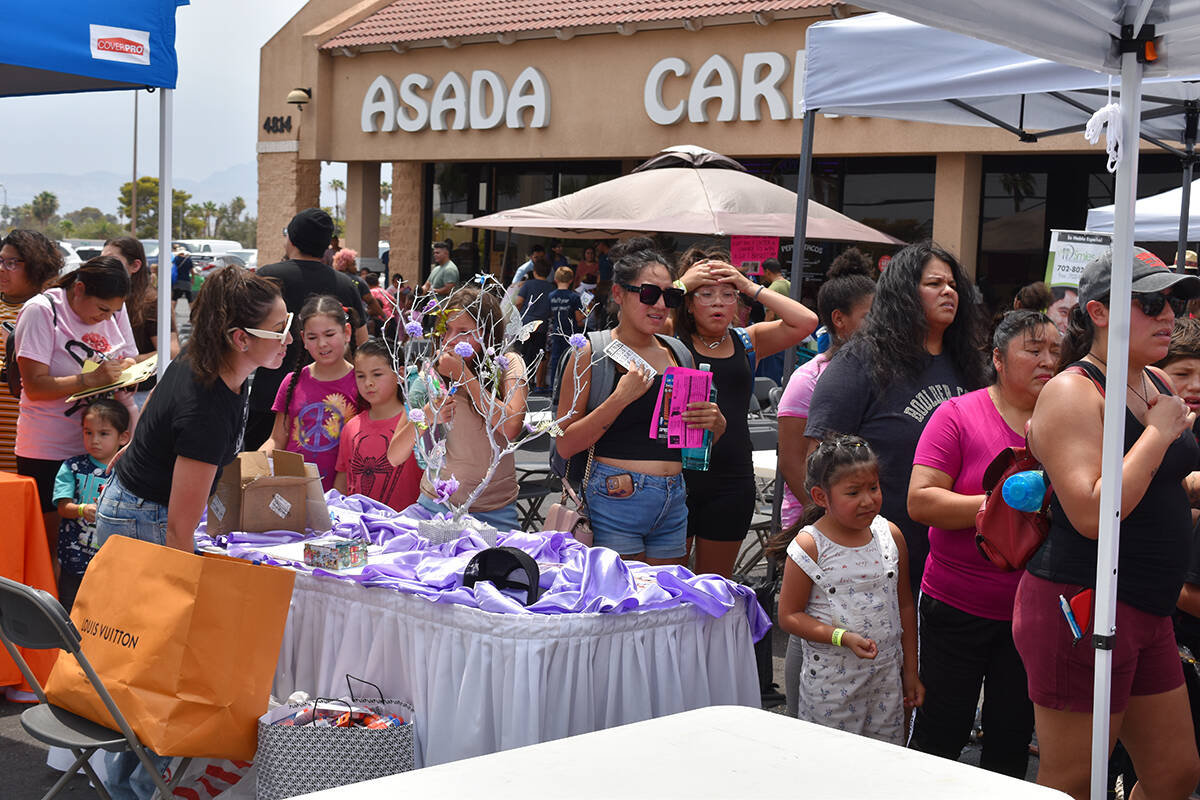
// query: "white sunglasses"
[[276, 335]]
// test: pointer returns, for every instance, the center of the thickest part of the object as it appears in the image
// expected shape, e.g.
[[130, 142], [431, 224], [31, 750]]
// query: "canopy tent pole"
[[1113, 454], [1192, 117], [803, 179], [165, 209]]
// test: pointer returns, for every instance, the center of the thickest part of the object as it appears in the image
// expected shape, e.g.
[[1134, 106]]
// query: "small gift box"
[[335, 553]]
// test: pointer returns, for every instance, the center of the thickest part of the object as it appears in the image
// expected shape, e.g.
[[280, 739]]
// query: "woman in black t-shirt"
[[193, 424], [720, 500], [1148, 703], [919, 345]]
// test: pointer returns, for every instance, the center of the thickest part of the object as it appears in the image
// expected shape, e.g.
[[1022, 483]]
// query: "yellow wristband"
[[836, 639], [679, 284]]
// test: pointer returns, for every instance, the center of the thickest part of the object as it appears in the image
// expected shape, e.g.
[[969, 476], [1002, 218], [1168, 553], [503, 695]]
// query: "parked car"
[[87, 249], [205, 264], [71, 259], [249, 256], [210, 245]]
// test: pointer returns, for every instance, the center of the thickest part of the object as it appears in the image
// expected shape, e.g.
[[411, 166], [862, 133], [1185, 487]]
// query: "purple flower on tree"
[[502, 361], [577, 340], [414, 329], [430, 306], [464, 350], [416, 416], [445, 488]]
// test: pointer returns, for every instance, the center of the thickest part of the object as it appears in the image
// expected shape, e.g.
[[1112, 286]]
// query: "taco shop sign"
[[482, 102]]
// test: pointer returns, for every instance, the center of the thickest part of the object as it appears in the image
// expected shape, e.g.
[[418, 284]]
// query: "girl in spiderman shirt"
[[363, 465]]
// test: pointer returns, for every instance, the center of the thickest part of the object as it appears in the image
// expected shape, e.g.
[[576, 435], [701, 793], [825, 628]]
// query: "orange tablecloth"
[[25, 557]]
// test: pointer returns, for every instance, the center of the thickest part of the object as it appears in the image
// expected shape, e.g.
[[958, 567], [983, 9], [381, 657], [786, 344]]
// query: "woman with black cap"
[[1149, 705]]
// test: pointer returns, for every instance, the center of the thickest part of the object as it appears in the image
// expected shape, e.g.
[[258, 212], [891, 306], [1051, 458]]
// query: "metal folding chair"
[[33, 619]]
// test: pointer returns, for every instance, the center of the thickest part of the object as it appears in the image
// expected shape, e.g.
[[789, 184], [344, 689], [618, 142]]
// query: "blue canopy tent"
[[91, 46]]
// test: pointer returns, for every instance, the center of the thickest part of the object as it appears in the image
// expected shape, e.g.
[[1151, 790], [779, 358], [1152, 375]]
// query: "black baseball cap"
[[311, 231], [499, 565], [1150, 274]]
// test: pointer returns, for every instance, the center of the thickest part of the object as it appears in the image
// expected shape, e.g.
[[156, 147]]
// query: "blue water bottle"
[[1025, 491], [697, 457]]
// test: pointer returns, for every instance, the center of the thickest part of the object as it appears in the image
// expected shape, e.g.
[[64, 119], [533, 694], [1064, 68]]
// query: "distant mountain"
[[100, 189]]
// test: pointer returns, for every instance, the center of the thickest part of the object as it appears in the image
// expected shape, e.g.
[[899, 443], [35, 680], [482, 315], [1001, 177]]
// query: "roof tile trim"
[[420, 20]]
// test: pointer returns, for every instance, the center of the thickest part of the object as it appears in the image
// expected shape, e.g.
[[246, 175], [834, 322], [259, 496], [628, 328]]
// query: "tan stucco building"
[[479, 107]]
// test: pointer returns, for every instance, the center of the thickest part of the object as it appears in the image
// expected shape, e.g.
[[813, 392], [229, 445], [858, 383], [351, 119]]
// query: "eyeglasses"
[[711, 297], [648, 294], [10, 264], [278, 336], [1152, 303]]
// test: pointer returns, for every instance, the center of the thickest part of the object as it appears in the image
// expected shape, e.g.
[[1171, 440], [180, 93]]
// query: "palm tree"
[[209, 209], [385, 192], [337, 186], [43, 207]]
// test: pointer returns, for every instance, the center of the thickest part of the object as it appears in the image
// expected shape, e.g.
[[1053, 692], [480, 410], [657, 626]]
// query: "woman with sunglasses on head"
[[721, 499], [919, 345], [1149, 705], [634, 490], [193, 423]]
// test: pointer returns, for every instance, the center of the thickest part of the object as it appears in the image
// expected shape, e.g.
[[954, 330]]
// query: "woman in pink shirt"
[[966, 603]]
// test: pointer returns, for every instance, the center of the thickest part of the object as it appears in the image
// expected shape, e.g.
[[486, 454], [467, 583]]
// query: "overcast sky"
[[216, 104]]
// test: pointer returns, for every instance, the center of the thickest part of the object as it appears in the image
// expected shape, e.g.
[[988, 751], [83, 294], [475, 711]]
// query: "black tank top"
[[1155, 537], [628, 437], [730, 455]]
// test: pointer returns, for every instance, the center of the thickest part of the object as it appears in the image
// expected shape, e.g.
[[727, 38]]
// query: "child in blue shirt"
[[77, 490], [566, 316]]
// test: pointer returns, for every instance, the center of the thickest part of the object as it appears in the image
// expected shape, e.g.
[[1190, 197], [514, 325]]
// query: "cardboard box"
[[252, 497]]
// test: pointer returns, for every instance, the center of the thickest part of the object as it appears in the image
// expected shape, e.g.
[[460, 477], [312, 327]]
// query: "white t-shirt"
[[53, 429]]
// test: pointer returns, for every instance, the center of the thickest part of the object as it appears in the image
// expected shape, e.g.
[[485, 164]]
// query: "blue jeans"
[[122, 513], [126, 778], [651, 520], [503, 519]]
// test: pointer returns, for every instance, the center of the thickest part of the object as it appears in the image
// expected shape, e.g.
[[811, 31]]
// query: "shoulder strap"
[[683, 356], [744, 335], [1158, 383], [602, 368], [815, 573], [887, 545], [1089, 371]]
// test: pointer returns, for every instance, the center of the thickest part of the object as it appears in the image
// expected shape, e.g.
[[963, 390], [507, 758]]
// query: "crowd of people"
[[897, 621]]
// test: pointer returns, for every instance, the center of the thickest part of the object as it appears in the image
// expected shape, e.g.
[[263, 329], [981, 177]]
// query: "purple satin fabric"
[[574, 579]]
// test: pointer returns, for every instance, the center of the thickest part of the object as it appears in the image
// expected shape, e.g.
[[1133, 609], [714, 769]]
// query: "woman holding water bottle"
[[633, 486], [721, 498], [966, 601]]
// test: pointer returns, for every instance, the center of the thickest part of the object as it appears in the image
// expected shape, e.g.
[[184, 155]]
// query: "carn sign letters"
[[455, 104], [762, 79]]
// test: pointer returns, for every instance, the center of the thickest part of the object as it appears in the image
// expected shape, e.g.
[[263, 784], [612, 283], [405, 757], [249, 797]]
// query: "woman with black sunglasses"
[[634, 490], [721, 498], [1149, 704]]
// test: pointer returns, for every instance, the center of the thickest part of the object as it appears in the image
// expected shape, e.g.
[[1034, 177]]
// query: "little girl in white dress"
[[846, 594]]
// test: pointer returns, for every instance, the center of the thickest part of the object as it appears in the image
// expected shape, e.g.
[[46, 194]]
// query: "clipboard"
[[130, 377]]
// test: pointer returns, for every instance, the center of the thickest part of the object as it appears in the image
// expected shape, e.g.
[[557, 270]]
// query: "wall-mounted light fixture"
[[299, 96]]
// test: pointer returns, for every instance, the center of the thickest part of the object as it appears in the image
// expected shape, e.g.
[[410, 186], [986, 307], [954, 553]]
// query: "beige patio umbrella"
[[684, 189]]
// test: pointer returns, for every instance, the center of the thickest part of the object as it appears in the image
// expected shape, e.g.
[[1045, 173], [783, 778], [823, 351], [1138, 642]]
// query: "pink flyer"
[[680, 386]]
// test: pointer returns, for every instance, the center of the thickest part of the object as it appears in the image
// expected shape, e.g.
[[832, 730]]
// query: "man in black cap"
[[301, 275]]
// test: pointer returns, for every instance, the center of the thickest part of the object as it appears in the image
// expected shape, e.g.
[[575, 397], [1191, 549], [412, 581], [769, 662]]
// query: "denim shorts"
[[122, 513], [652, 520]]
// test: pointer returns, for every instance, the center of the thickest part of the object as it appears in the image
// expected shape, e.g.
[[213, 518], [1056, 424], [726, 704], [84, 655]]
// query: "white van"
[[210, 245]]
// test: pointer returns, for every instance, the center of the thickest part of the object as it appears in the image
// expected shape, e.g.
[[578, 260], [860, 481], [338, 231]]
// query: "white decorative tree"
[[428, 395]]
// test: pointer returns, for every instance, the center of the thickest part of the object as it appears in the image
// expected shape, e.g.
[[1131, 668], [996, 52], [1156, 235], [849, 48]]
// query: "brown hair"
[[139, 282], [41, 256], [1185, 341], [1035, 296], [230, 298]]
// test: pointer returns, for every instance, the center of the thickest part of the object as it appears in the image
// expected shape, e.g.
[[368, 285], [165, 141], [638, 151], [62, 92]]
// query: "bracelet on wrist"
[[679, 284], [756, 294], [836, 639]]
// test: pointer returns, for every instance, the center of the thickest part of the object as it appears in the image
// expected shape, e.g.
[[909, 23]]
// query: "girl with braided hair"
[[846, 595]]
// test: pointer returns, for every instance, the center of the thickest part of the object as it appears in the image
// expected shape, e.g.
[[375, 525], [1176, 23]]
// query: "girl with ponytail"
[[192, 425]]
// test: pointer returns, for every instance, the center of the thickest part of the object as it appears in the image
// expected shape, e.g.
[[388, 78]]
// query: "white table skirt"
[[483, 682]]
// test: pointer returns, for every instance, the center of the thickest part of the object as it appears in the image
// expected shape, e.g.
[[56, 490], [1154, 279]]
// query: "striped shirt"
[[9, 405]]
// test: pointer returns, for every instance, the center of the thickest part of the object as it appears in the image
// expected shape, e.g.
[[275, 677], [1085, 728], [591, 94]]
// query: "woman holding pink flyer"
[[721, 499], [633, 483]]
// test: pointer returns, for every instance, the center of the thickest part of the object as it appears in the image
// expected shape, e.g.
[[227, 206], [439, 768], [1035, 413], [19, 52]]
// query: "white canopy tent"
[[1139, 40], [1156, 218], [876, 65]]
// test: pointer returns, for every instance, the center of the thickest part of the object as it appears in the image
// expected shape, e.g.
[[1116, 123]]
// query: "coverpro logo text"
[[120, 44]]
